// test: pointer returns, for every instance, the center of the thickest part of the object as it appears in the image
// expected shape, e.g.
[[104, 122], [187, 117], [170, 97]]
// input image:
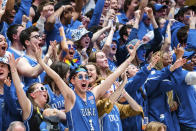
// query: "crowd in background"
[[97, 65]]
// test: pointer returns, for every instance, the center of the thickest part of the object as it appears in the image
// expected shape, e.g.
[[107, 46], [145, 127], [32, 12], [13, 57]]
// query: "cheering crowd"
[[97, 65]]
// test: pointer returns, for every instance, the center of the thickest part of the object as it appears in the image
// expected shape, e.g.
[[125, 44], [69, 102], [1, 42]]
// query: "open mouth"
[[83, 85], [71, 52], [113, 48], [3, 48], [1, 73]]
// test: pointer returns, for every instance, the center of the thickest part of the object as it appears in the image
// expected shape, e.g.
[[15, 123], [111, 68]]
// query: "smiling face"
[[101, 60], [4, 70], [114, 5], [167, 59], [3, 45], [80, 82], [92, 73]]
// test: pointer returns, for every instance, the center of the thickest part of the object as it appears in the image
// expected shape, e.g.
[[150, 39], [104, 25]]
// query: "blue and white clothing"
[[56, 101], [83, 116], [111, 121], [10, 108], [29, 80], [16, 53], [158, 108], [186, 93], [135, 89]]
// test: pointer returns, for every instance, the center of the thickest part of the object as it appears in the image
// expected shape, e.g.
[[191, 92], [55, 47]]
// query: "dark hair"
[[74, 72], [25, 34], [123, 31], [182, 34], [12, 30], [60, 68], [181, 13], [127, 2], [42, 4], [61, 3], [28, 93]]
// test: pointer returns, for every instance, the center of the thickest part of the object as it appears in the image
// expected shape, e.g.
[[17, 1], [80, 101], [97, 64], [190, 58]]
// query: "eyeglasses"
[[41, 88], [36, 36], [82, 77]]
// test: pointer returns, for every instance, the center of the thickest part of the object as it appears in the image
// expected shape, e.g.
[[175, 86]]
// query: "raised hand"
[[132, 49], [179, 51], [38, 52], [192, 20], [7, 81], [178, 63], [149, 12]]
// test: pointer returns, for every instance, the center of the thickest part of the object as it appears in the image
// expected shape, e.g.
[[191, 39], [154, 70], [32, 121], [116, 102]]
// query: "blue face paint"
[[81, 77], [188, 16], [71, 46], [113, 46]]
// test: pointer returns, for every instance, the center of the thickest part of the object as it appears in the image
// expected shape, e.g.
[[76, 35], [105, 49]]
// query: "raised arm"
[[99, 32], [22, 98], [66, 91], [51, 20], [25, 69], [167, 42], [106, 47], [100, 90]]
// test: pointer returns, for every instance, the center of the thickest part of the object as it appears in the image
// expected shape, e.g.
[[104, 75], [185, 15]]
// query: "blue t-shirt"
[[83, 116]]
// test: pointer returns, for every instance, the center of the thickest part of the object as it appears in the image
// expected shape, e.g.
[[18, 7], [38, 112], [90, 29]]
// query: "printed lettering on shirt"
[[88, 112], [113, 118], [58, 104]]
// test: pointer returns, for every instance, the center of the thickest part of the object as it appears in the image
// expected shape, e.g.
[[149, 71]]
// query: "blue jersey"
[[186, 95], [83, 116], [10, 109], [111, 121], [56, 101], [29, 80], [112, 65], [16, 53]]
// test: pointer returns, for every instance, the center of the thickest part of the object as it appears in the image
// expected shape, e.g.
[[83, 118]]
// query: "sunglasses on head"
[[41, 88], [82, 77]]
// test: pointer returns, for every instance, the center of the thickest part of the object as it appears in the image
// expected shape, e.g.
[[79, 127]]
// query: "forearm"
[[136, 24], [108, 42], [98, 33], [51, 20], [154, 23], [134, 105], [63, 39], [22, 98], [105, 85]]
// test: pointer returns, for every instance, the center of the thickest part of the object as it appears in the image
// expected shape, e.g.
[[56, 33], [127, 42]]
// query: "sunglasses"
[[36, 36], [82, 77], [41, 88]]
